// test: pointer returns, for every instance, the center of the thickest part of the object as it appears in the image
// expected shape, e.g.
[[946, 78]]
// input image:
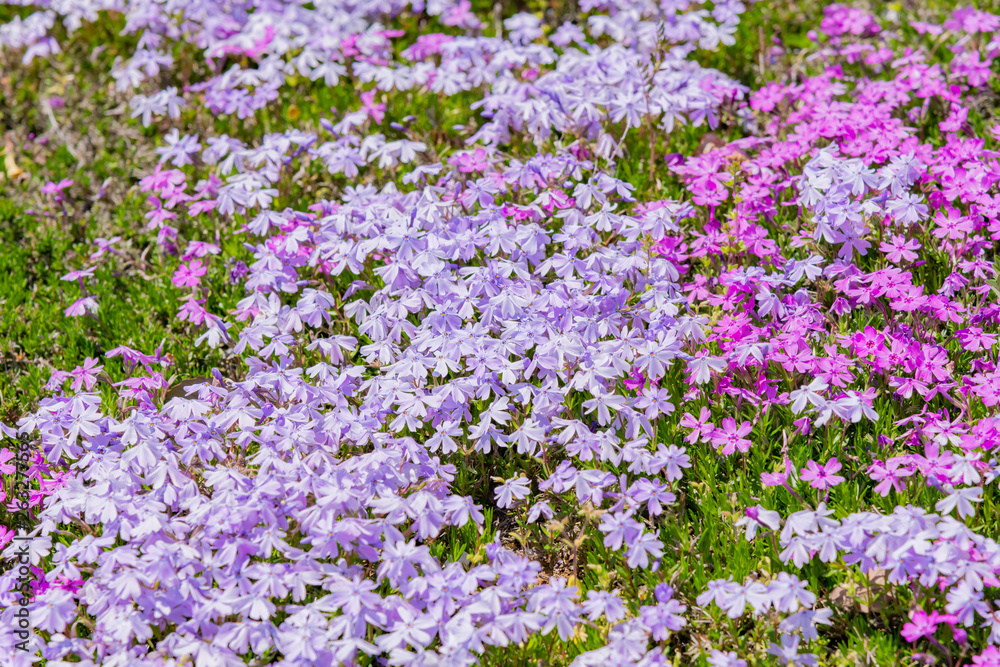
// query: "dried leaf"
[[10, 166]]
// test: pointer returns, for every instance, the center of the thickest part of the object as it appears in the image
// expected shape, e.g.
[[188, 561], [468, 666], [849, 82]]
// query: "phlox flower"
[[655, 402], [511, 490], [974, 339], [81, 306], [604, 603], [670, 459], [955, 120], [189, 275], [952, 224], [82, 273], [962, 498], [460, 15], [727, 659], [200, 249], [55, 610], [907, 209], [6, 468], [822, 477], [988, 658], [216, 332], [807, 521], [642, 548], [734, 601], [635, 380], [779, 478], [413, 628], [787, 652], [700, 368], [889, 475], [178, 149], [803, 425], [85, 375], [376, 111], [539, 510], [757, 517], [787, 592], [716, 591], [604, 403], [806, 620], [701, 426], [663, 618], [618, 527], [193, 311], [729, 438], [51, 188], [900, 249], [922, 624], [56, 380], [557, 601], [810, 393]]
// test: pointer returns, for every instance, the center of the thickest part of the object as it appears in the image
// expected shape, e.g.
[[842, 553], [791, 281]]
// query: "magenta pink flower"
[[193, 311], [951, 224], [80, 306], [701, 426], [900, 249], [85, 375], [376, 111], [635, 380], [6, 468], [822, 477], [779, 478], [729, 438], [920, 625], [51, 188], [988, 658], [923, 624], [189, 275], [889, 475]]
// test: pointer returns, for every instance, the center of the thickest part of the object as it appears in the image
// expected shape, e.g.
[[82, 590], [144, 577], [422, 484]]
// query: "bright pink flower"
[[889, 475], [952, 224], [701, 426], [192, 311], [988, 658], [923, 624], [85, 375], [51, 188], [189, 275], [635, 380], [729, 438], [779, 478], [920, 625], [899, 249], [822, 477], [6, 468], [80, 306], [376, 111]]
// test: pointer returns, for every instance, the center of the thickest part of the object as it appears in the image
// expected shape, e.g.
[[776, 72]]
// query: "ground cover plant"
[[560, 333]]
